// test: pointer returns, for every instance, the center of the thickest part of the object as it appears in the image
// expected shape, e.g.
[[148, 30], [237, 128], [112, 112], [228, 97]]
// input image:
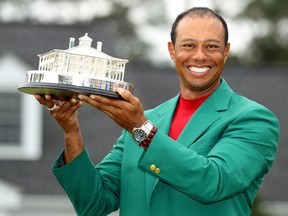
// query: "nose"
[[199, 54]]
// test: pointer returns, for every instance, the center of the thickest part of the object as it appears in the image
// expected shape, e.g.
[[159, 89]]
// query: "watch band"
[[148, 125]]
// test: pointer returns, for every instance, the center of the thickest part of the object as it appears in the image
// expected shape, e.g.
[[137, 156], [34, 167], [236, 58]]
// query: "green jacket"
[[214, 168]]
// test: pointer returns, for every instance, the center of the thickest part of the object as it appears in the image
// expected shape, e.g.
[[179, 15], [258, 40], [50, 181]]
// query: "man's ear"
[[171, 50], [227, 50]]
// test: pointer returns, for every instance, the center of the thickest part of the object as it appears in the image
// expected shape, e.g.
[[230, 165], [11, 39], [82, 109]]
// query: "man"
[[203, 152]]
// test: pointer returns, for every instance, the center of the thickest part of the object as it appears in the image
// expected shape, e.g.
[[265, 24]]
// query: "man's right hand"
[[65, 113]]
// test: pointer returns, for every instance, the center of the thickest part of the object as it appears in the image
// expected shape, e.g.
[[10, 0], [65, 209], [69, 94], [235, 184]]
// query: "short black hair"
[[198, 12]]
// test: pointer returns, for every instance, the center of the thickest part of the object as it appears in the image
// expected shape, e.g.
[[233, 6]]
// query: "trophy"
[[81, 69]]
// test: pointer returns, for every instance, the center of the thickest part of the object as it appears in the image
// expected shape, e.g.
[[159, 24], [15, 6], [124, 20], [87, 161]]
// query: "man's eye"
[[212, 46], [189, 45]]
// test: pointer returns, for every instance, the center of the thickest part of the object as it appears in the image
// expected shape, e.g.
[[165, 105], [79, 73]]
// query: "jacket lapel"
[[207, 114], [200, 121]]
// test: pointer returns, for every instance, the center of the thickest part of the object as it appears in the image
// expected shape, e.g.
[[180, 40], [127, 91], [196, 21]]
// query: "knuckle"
[[137, 102]]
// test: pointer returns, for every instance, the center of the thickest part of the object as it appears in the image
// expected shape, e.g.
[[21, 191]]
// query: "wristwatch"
[[141, 133]]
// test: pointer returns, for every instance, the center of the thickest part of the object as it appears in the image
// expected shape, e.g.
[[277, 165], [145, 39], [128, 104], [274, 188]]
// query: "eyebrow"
[[205, 41]]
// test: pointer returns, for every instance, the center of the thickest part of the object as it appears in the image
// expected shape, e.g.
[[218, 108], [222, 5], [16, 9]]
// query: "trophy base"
[[63, 91]]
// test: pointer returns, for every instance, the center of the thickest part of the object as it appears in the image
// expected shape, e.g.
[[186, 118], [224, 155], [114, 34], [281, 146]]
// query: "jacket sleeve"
[[91, 189], [241, 156]]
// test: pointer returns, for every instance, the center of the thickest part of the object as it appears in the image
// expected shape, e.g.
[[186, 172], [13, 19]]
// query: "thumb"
[[126, 95]]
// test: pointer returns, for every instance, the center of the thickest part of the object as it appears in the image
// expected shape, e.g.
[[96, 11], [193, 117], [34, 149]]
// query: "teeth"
[[199, 70]]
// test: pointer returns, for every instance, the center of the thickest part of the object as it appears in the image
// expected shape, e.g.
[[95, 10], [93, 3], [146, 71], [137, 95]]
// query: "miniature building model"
[[79, 69], [84, 60]]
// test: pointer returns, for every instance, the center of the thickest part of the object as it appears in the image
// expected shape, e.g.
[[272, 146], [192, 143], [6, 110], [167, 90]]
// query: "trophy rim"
[[63, 91]]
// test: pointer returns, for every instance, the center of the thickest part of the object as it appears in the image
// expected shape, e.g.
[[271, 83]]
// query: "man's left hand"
[[127, 113]]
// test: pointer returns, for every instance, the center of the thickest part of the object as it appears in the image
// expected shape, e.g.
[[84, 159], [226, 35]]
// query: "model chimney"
[[99, 46]]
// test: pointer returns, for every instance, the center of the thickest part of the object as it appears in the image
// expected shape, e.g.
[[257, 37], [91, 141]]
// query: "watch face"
[[139, 135]]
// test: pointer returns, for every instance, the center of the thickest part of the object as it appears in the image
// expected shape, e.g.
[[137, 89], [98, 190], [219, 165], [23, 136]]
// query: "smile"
[[199, 70]]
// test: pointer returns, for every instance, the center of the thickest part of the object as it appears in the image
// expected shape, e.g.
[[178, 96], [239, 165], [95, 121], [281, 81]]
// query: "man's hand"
[[65, 114], [67, 117], [127, 113]]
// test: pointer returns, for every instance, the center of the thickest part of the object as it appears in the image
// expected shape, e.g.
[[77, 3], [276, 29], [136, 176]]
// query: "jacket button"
[[157, 170], [152, 167]]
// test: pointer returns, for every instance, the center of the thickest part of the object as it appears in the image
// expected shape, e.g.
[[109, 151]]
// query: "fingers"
[[126, 95], [53, 104], [110, 105], [54, 107], [127, 113], [105, 103], [64, 112], [100, 102], [45, 100], [70, 106]]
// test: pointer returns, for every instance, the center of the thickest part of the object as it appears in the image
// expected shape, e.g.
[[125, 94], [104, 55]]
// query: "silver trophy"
[[81, 69]]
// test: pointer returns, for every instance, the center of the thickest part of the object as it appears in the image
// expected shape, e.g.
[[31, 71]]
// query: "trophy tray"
[[63, 91]]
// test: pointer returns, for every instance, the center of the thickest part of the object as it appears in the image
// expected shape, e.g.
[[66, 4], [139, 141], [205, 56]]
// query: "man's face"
[[199, 55]]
